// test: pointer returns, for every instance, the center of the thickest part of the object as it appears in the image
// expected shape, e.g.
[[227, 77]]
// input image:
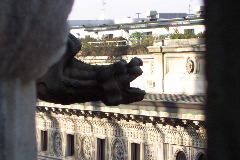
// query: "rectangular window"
[[147, 33], [189, 31], [135, 151], [87, 37], [44, 140], [70, 145], [100, 149], [150, 83], [110, 36]]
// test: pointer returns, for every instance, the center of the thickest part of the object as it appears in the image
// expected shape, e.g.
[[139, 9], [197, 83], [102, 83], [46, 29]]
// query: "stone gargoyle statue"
[[73, 81]]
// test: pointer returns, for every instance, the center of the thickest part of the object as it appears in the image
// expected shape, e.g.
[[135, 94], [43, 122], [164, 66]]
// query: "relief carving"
[[118, 150], [149, 152], [57, 144], [87, 148], [190, 65]]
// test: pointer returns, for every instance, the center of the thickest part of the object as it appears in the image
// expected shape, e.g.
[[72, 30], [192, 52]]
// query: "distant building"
[[152, 15], [154, 28], [171, 15], [79, 23], [200, 11], [129, 20]]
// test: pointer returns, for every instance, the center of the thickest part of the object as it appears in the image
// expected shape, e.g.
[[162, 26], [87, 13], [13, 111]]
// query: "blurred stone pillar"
[[17, 114], [223, 75], [33, 35]]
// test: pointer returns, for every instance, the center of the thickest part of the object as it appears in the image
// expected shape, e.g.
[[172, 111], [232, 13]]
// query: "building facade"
[[169, 124], [153, 28], [140, 131], [170, 67]]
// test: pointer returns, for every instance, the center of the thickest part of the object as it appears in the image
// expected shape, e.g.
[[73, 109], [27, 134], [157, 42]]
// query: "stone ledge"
[[144, 108]]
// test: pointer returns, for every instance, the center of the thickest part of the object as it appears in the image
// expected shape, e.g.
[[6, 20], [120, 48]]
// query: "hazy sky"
[[92, 9]]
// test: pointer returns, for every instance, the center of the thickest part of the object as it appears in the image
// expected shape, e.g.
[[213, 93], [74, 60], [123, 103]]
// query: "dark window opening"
[[189, 31], [181, 156], [108, 37], [44, 140], [135, 150], [70, 145], [87, 37], [147, 33], [100, 149]]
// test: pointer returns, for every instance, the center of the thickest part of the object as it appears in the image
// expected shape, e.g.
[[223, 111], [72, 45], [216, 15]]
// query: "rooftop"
[[112, 24]]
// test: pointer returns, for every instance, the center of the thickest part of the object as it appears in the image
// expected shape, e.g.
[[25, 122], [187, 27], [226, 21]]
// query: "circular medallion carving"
[[57, 144], [190, 66], [87, 148], [149, 152], [118, 150]]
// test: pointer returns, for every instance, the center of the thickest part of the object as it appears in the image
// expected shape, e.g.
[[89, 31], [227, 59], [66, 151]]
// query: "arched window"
[[202, 157], [181, 156]]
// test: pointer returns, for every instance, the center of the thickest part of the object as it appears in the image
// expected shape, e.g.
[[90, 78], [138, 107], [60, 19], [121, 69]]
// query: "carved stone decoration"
[[118, 132], [57, 144], [118, 150], [78, 146], [149, 152], [87, 148], [73, 81], [190, 65], [198, 65]]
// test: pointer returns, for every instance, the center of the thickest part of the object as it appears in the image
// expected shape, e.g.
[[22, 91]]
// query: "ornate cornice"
[[115, 117]]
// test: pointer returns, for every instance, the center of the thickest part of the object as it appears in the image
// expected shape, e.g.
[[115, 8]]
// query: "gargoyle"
[[73, 81]]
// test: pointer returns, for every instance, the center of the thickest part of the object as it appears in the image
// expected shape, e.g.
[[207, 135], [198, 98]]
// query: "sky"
[[93, 9]]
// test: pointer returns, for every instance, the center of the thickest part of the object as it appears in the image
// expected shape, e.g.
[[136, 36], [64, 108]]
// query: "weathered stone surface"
[[33, 36], [17, 120]]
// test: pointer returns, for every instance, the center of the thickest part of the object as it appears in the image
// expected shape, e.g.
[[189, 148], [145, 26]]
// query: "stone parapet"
[[148, 108], [172, 49], [180, 42]]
